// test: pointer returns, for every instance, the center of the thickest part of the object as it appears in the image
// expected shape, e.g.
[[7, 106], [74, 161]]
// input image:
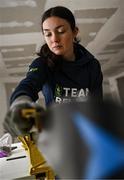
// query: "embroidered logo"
[[58, 91], [63, 94], [33, 69]]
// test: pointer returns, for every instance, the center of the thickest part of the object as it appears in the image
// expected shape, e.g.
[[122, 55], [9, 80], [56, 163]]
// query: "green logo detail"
[[58, 91], [33, 69]]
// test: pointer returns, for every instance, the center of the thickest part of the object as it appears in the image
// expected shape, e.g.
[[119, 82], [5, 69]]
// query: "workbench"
[[16, 166]]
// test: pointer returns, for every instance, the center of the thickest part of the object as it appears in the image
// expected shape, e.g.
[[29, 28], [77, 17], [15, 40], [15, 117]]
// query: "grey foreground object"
[[84, 140]]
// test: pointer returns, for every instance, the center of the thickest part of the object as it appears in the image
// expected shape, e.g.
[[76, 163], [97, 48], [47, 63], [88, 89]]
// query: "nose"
[[55, 37]]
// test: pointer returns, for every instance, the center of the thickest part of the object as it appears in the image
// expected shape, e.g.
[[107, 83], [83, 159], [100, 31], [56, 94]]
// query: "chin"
[[58, 53]]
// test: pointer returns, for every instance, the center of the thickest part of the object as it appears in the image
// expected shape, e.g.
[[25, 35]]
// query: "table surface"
[[15, 168]]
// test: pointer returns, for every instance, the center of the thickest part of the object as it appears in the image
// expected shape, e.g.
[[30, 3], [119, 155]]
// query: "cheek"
[[47, 40], [68, 39], [48, 43]]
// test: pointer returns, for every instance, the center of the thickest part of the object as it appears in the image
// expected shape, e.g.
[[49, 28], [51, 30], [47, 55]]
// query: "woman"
[[64, 69]]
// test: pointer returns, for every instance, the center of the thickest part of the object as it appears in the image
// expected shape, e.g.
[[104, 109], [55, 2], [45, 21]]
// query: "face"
[[59, 36]]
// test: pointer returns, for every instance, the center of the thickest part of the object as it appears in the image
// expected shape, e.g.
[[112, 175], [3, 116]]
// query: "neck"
[[70, 58]]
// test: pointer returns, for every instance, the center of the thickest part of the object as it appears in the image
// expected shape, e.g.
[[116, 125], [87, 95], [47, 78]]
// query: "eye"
[[61, 31], [47, 34]]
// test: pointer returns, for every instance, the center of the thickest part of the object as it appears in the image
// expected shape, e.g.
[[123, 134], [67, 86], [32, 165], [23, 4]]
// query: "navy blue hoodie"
[[80, 78]]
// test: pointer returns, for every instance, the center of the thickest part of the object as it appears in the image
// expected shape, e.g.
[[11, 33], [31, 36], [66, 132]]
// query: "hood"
[[83, 56]]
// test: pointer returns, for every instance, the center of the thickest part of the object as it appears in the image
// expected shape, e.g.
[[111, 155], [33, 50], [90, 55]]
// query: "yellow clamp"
[[38, 163]]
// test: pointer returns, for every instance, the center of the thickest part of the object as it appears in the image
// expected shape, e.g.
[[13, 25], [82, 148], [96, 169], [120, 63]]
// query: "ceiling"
[[101, 24]]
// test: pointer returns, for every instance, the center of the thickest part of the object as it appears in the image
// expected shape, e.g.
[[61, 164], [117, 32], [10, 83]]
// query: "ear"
[[76, 30]]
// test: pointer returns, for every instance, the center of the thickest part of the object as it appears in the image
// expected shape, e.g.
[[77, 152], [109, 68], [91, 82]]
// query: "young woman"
[[64, 69]]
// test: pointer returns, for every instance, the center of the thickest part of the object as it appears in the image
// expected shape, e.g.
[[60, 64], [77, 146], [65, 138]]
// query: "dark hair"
[[61, 12]]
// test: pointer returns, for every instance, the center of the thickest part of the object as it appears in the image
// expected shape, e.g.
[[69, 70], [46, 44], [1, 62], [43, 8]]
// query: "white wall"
[[115, 88], [3, 106]]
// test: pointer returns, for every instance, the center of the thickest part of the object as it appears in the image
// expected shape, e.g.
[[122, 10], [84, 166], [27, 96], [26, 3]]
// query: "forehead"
[[53, 22]]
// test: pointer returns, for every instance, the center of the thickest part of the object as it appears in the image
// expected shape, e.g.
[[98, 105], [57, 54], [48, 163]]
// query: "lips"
[[57, 47]]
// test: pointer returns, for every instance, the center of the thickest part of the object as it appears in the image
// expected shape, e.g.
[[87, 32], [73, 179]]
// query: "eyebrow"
[[55, 28]]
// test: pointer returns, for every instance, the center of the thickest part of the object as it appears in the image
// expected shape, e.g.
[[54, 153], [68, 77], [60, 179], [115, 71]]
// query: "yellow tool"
[[39, 166]]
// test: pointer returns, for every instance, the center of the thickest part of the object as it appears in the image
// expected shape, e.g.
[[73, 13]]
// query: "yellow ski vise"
[[39, 167]]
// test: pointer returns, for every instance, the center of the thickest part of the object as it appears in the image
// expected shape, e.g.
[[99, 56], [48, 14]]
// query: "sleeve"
[[33, 82], [96, 80]]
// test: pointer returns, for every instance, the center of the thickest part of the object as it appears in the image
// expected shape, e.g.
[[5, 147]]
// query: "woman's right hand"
[[20, 119]]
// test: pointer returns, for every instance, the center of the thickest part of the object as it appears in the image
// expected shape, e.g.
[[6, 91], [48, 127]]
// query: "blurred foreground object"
[[84, 140], [21, 118]]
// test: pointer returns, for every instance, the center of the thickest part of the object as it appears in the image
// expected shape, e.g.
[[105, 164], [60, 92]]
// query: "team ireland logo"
[[58, 91], [65, 94]]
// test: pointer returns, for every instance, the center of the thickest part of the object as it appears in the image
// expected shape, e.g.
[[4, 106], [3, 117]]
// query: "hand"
[[22, 117]]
